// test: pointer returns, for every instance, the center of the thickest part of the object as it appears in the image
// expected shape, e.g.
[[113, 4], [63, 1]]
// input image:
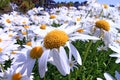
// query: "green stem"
[[84, 59], [88, 13], [69, 77], [44, 78], [101, 13], [3, 70], [86, 53]]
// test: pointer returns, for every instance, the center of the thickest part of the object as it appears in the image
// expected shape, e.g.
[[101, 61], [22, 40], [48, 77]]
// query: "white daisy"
[[55, 39], [13, 74], [28, 56]]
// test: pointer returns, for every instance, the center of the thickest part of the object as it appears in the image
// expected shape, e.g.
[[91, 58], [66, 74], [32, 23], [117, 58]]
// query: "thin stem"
[[69, 77], [101, 13], [88, 13], [86, 53], [2, 68], [84, 59]]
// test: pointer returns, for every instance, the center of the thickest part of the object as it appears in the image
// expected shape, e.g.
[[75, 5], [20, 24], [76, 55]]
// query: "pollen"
[[43, 26], [105, 6], [13, 52], [16, 76], [8, 21], [55, 39], [80, 30], [24, 22], [0, 40], [24, 33], [52, 16], [17, 37], [26, 27], [103, 24], [117, 41], [36, 52], [1, 49], [10, 35], [29, 43], [78, 19]]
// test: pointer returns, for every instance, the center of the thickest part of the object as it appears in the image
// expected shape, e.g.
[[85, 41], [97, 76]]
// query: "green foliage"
[[5, 6], [55, 25], [26, 5], [4, 3]]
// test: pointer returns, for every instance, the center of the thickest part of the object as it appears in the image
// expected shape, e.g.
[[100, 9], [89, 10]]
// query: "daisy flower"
[[28, 56], [12, 74], [101, 48], [55, 39], [7, 20], [106, 30]]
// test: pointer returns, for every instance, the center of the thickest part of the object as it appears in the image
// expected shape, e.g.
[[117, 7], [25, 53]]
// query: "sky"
[[113, 2]]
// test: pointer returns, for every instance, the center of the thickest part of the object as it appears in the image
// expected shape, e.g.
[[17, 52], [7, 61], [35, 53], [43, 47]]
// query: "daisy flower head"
[[106, 30], [15, 74], [103, 24], [7, 20], [101, 48], [55, 39], [27, 57]]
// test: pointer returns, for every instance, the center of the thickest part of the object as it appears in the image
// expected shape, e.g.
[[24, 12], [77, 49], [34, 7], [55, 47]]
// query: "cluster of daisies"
[[41, 36]]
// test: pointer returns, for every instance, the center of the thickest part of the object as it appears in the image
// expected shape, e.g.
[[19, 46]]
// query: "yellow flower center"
[[105, 6], [1, 49], [24, 33], [8, 21], [16, 76], [36, 52], [52, 16], [13, 52], [0, 40], [24, 22], [55, 39], [103, 24], [43, 26], [10, 29], [10, 35], [78, 19], [26, 27], [117, 41], [17, 37], [80, 30], [29, 43]]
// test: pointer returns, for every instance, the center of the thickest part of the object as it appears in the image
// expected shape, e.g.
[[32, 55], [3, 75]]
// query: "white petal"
[[63, 26], [117, 75], [115, 55], [43, 63], [76, 54], [28, 67], [118, 60], [108, 76], [61, 61], [25, 78], [71, 29], [115, 49], [20, 59], [83, 37], [99, 79], [4, 57]]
